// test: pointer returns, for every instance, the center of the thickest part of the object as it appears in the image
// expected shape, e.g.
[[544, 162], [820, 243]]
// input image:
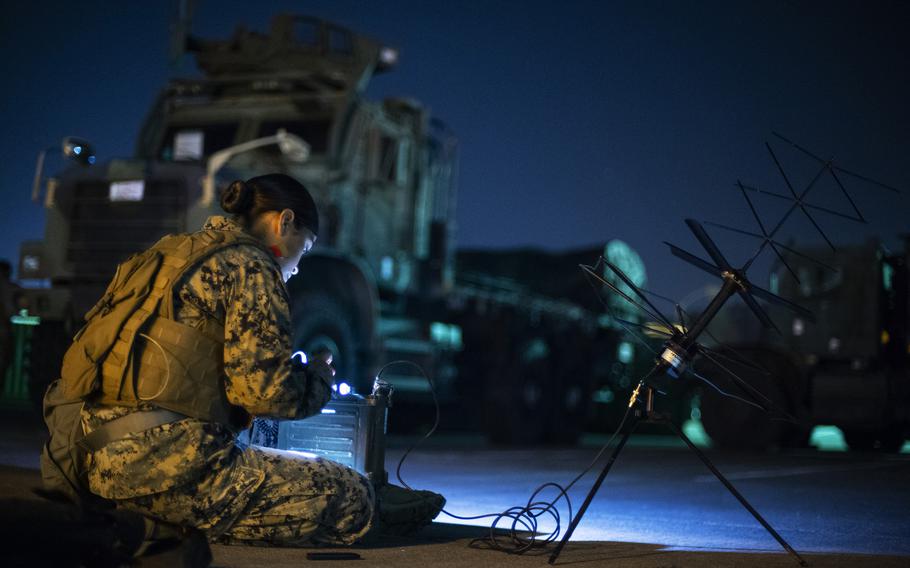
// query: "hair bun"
[[237, 198]]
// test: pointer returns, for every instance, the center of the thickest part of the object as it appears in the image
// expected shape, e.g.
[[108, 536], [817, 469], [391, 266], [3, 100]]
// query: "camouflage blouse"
[[241, 288]]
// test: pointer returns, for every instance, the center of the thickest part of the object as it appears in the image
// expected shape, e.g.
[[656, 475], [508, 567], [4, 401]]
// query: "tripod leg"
[[736, 493], [593, 491]]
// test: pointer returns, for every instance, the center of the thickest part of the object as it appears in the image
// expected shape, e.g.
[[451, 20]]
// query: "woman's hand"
[[323, 355], [320, 364]]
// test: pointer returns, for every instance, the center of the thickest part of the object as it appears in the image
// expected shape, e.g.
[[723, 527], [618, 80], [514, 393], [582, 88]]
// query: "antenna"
[[681, 345], [180, 28]]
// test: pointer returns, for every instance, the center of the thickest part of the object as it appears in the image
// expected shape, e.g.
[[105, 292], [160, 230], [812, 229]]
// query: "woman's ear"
[[285, 222]]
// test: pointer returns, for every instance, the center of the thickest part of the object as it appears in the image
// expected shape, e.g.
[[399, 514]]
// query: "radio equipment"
[[350, 430]]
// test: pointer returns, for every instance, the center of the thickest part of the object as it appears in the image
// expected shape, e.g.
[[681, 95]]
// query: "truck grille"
[[103, 232]]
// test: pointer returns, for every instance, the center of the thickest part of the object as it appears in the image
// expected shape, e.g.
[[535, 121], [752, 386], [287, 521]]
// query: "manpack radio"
[[350, 430]]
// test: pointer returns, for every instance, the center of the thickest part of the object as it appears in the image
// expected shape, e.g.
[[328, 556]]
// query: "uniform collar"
[[221, 223]]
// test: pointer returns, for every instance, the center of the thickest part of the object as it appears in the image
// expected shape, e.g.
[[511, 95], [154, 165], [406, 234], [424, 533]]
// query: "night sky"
[[579, 122]]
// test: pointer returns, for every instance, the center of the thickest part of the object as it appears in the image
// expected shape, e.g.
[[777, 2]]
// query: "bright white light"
[[189, 145], [328, 411], [310, 455], [344, 389], [130, 190], [286, 453], [386, 268], [301, 355], [388, 55], [77, 150], [31, 263]]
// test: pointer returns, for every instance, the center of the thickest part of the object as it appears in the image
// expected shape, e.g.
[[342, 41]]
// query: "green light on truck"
[[625, 352], [446, 334], [22, 318], [887, 276]]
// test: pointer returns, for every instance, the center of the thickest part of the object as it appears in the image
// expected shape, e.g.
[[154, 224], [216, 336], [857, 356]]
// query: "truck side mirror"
[[78, 150], [72, 148], [292, 147]]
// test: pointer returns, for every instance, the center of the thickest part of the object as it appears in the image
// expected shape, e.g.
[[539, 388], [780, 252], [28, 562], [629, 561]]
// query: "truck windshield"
[[314, 132], [192, 143]]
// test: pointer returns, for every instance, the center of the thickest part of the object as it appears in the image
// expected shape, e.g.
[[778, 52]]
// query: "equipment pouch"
[[62, 459], [132, 284]]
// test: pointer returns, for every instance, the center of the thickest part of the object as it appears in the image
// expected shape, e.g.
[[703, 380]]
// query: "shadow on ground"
[[443, 548], [449, 545]]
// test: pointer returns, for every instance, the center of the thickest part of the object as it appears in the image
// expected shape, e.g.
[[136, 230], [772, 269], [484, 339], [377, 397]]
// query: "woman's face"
[[278, 231], [294, 245]]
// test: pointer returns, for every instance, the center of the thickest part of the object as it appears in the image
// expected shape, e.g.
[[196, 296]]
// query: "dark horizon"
[[577, 124]]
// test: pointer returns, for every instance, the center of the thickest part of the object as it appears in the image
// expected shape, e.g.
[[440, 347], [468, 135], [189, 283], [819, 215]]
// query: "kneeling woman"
[[207, 349]]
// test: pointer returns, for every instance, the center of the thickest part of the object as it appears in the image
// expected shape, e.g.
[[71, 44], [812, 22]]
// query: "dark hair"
[[246, 200]]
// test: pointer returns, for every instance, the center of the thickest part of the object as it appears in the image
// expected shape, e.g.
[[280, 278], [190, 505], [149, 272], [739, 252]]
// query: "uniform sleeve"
[[257, 347]]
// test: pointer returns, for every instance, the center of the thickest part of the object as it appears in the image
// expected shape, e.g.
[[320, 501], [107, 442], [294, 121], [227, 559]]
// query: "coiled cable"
[[522, 521]]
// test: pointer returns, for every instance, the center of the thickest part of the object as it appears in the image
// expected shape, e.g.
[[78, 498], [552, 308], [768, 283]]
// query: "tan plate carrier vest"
[[132, 351]]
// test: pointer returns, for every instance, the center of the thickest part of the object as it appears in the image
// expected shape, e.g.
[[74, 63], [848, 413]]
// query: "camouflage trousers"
[[269, 498]]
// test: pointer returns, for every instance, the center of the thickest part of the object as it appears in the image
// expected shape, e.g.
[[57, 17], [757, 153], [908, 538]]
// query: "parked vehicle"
[[382, 283], [849, 368]]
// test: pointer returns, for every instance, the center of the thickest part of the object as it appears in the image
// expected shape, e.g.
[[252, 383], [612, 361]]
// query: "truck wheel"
[[735, 425], [321, 324]]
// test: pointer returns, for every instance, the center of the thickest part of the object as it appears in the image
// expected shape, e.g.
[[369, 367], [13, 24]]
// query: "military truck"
[[381, 284], [850, 368]]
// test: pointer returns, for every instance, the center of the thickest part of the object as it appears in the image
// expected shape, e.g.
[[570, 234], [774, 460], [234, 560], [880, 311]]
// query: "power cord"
[[522, 530]]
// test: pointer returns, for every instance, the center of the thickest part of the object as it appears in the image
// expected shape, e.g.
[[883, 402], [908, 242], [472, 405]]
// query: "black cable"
[[522, 531], [725, 393], [435, 403], [526, 516], [606, 306]]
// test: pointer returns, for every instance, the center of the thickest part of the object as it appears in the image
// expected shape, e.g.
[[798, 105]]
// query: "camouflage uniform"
[[194, 473]]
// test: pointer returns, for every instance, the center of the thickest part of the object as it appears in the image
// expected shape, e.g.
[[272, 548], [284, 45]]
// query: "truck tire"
[[735, 425], [321, 323]]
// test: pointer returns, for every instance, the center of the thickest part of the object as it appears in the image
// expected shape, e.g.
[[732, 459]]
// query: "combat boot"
[[402, 511], [168, 546]]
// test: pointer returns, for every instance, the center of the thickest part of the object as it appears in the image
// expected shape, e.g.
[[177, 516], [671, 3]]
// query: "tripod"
[[682, 345], [649, 416]]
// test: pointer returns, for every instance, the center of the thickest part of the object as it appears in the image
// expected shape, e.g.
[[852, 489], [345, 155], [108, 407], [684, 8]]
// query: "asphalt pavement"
[[659, 506]]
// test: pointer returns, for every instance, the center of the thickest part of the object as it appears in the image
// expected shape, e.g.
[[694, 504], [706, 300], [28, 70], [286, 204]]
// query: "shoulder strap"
[[188, 251], [180, 253]]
